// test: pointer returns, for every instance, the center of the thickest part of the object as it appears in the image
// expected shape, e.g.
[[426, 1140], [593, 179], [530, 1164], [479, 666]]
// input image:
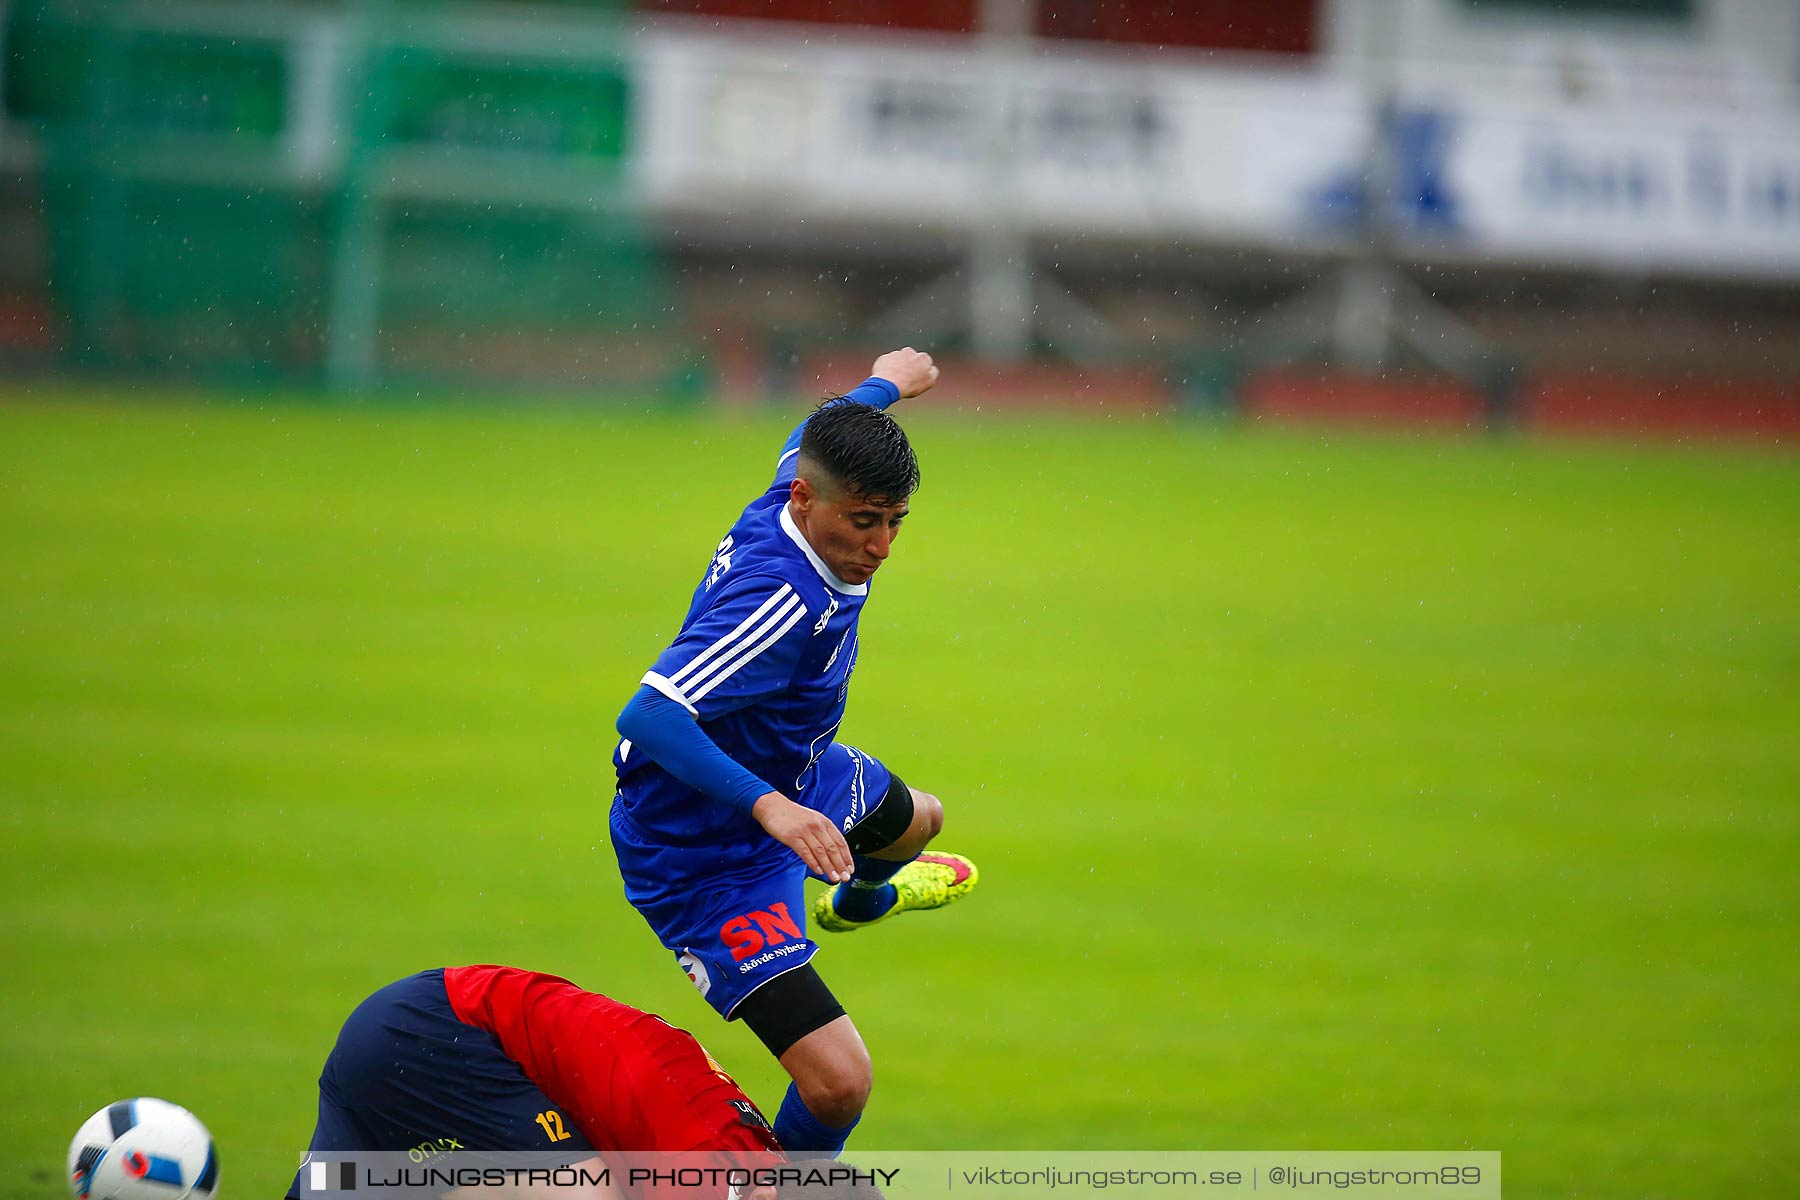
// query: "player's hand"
[[907, 369], [806, 832]]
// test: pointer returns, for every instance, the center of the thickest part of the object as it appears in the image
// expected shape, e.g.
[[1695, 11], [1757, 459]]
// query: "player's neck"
[[793, 524]]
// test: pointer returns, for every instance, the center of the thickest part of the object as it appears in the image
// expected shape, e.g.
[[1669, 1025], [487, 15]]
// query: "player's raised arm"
[[897, 375]]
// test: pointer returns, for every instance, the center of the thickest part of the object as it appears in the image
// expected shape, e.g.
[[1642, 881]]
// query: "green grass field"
[[1330, 792]]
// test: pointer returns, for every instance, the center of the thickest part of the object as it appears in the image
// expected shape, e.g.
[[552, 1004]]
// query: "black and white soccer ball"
[[143, 1149]]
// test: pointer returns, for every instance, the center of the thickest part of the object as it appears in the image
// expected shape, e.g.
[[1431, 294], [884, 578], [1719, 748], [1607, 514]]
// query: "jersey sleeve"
[[873, 391], [657, 726], [742, 649]]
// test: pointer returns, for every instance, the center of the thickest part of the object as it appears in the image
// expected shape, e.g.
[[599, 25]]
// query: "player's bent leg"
[[800, 1021], [927, 822], [832, 1078], [894, 873], [932, 880]]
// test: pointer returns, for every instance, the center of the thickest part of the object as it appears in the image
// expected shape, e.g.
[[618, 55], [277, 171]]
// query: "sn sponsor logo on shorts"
[[754, 931]]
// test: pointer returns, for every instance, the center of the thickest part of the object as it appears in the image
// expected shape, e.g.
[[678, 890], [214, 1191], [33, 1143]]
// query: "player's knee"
[[928, 815], [838, 1094]]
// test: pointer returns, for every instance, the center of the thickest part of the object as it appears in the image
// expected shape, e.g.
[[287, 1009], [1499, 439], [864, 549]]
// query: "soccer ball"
[[143, 1150]]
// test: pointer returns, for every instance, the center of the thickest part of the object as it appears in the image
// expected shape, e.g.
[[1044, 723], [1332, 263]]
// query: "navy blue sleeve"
[[873, 391], [660, 728]]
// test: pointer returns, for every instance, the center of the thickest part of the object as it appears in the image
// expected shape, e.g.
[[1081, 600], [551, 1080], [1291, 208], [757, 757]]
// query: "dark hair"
[[862, 448]]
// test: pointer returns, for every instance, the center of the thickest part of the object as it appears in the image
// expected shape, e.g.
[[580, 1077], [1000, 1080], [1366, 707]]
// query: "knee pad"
[[887, 824], [788, 1007]]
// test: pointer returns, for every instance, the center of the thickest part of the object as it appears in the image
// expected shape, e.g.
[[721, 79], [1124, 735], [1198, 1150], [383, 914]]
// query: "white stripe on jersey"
[[798, 614], [652, 679], [746, 647], [721, 644]]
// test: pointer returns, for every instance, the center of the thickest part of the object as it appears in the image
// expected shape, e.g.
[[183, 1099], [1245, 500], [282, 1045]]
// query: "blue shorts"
[[735, 916], [407, 1074]]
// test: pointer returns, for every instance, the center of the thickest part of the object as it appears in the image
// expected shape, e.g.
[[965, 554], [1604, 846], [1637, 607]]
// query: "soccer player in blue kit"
[[731, 787]]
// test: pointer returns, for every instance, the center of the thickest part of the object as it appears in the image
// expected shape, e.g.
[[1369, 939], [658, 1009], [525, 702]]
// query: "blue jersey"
[[762, 662]]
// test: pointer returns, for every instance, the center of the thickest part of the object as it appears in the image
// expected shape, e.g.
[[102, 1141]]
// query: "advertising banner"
[[958, 139], [1713, 192], [848, 134]]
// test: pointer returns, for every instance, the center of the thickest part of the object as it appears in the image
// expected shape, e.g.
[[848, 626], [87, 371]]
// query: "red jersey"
[[628, 1079]]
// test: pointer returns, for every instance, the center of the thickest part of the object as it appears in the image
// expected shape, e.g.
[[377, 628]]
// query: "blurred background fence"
[[1552, 211]]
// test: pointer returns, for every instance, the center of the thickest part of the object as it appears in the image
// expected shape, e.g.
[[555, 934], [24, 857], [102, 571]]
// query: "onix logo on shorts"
[[696, 971], [748, 934]]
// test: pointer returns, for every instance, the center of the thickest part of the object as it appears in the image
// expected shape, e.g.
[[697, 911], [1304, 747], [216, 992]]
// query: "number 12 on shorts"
[[552, 1122]]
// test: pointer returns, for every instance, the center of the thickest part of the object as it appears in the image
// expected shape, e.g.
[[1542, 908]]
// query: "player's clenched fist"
[[806, 832], [907, 369]]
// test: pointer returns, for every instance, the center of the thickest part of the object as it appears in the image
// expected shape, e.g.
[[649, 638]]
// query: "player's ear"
[[802, 494]]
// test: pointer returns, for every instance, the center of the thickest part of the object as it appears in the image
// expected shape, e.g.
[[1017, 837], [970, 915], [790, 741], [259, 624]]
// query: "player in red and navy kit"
[[497, 1059], [732, 787]]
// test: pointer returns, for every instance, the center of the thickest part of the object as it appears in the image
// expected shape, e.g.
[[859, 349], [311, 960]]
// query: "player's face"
[[853, 533]]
